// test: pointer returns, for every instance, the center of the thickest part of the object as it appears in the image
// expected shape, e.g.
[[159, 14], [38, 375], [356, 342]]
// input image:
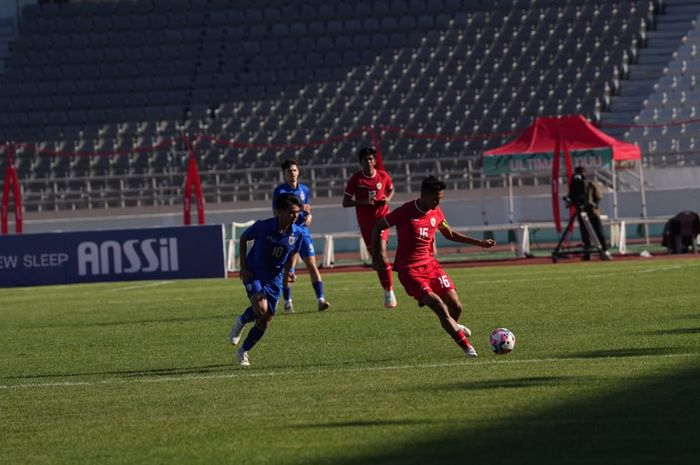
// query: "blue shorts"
[[307, 245], [271, 290]]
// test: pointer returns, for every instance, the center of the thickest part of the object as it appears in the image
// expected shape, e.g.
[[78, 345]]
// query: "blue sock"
[[254, 335], [287, 293], [318, 287], [248, 315]]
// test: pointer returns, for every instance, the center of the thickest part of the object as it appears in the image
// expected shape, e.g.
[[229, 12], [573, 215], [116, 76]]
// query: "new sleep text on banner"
[[116, 255]]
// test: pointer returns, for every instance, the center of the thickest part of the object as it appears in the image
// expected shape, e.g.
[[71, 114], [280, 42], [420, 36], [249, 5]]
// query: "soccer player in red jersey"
[[372, 190], [419, 271]]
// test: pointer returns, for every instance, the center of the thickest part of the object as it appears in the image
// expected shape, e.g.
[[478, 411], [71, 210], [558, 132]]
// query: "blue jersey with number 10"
[[272, 248]]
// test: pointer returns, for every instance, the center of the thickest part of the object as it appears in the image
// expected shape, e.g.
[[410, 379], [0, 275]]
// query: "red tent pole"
[[555, 183], [569, 174]]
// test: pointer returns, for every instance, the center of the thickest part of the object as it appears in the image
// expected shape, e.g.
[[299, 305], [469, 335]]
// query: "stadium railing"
[[521, 234]]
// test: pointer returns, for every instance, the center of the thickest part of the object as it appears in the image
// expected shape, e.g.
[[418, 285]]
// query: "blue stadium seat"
[[389, 25], [362, 10], [297, 29], [326, 11], [344, 10]]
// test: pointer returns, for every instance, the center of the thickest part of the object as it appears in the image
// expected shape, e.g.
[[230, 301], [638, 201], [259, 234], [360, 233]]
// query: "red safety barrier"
[[75, 153], [300, 145], [649, 125], [422, 135], [11, 184]]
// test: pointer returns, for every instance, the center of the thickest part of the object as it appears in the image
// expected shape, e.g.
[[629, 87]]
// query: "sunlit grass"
[[142, 373]]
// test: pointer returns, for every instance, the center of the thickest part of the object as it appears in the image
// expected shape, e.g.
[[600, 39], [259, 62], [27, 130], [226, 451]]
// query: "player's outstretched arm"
[[349, 201], [456, 236], [378, 248], [389, 195]]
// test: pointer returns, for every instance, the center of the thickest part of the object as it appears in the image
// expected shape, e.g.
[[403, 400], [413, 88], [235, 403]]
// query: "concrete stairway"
[[669, 28]]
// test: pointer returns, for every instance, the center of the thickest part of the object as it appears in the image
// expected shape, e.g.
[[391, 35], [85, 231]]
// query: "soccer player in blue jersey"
[[290, 168], [270, 261]]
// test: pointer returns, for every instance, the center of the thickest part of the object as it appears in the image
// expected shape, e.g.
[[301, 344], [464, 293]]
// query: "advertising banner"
[[116, 255]]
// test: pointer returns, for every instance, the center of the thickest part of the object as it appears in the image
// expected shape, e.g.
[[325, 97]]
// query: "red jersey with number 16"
[[365, 187], [415, 229]]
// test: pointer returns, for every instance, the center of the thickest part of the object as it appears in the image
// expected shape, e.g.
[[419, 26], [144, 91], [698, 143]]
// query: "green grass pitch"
[[606, 370]]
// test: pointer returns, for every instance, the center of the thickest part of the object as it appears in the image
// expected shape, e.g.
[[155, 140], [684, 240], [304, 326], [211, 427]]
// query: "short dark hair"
[[432, 185], [366, 152], [288, 163], [286, 200], [579, 170]]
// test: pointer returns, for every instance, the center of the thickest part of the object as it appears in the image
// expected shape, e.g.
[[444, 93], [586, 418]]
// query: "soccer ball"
[[502, 340]]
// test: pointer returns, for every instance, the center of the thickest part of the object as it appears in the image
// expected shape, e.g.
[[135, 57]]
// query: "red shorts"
[[420, 280], [366, 230]]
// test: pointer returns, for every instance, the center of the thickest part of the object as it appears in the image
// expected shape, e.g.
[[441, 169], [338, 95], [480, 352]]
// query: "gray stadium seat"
[[276, 71]]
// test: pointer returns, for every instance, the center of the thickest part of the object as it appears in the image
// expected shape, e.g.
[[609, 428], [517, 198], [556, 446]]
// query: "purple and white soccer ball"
[[502, 340]]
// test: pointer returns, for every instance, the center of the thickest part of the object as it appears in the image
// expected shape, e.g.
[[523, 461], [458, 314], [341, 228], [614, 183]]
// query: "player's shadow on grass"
[[159, 321], [151, 372], [649, 420], [621, 353], [516, 383], [672, 332], [361, 423]]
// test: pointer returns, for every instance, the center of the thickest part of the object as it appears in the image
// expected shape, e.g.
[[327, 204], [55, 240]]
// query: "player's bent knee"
[[436, 304], [263, 322]]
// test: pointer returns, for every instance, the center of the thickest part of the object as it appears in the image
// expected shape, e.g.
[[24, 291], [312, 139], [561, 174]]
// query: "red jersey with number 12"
[[415, 229], [365, 187]]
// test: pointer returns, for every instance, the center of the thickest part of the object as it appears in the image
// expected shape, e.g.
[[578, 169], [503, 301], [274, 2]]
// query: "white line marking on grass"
[[597, 275], [139, 286], [49, 385], [652, 270], [247, 373]]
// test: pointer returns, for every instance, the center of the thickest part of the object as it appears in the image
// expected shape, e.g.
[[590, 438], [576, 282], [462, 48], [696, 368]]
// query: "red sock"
[[385, 277], [461, 340]]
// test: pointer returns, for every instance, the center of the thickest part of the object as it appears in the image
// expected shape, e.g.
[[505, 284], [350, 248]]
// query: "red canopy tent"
[[539, 147]]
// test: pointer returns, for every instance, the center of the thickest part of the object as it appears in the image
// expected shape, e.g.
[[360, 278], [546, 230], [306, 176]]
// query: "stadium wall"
[[461, 208]]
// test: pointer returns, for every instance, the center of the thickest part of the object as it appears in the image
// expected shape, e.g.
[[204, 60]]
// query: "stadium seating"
[[675, 100], [109, 75]]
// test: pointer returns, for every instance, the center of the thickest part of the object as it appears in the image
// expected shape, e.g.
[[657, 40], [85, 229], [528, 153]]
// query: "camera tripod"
[[595, 242]]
